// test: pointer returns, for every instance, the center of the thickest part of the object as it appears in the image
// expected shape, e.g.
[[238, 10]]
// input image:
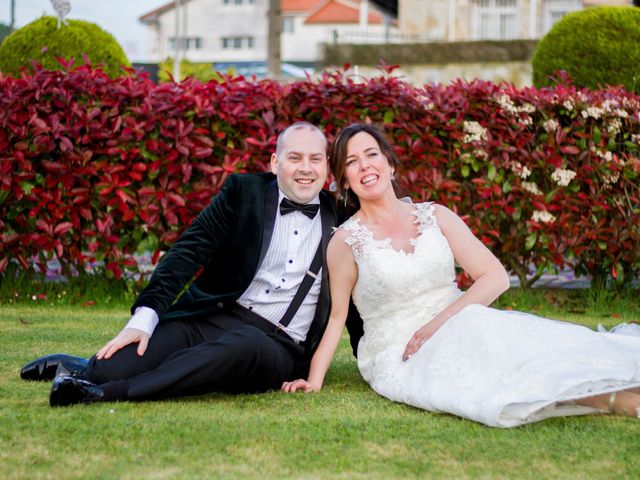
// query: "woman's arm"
[[343, 274], [490, 277]]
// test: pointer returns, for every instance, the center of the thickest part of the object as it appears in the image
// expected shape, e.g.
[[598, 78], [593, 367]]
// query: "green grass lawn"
[[345, 431]]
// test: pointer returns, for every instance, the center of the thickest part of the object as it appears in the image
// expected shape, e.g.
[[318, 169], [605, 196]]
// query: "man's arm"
[[194, 249]]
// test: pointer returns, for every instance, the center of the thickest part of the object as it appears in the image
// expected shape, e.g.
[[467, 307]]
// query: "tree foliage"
[[41, 41], [596, 47]]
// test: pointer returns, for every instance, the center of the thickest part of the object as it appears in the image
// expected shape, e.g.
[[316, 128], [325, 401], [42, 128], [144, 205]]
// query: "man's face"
[[301, 165]]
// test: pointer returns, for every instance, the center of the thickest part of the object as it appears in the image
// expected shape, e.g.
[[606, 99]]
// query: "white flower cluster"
[[520, 170], [508, 106], [568, 104], [594, 112], [478, 154], [607, 155], [610, 179], [631, 104], [609, 104], [615, 124], [531, 187], [542, 216], [582, 97], [551, 125], [618, 112], [563, 177], [635, 137], [506, 103], [527, 108], [475, 132]]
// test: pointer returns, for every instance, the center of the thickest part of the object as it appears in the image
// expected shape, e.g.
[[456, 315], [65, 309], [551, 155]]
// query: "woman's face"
[[367, 170]]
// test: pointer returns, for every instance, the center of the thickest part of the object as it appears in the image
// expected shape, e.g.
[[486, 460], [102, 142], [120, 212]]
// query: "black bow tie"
[[287, 206]]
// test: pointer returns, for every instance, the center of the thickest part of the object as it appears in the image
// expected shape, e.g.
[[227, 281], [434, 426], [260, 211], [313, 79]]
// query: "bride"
[[430, 345]]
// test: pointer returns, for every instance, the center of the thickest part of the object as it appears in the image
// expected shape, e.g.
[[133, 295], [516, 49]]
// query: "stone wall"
[[518, 73], [440, 61]]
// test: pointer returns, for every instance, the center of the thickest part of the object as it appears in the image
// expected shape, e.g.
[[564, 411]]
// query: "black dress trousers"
[[234, 351]]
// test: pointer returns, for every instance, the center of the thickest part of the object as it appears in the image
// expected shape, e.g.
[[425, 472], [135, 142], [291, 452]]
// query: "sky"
[[118, 17]]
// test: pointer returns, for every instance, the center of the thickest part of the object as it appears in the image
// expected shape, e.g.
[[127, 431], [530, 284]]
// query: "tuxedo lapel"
[[270, 210]]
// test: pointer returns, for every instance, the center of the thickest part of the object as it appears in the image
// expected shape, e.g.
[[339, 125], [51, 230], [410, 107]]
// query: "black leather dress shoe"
[[69, 390], [45, 368]]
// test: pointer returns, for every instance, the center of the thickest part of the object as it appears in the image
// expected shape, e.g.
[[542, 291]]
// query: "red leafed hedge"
[[96, 169]]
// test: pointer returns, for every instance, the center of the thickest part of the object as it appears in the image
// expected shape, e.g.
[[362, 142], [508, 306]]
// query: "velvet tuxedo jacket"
[[224, 247]]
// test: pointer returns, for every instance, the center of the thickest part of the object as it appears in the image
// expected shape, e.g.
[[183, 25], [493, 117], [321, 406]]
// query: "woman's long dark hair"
[[338, 158]]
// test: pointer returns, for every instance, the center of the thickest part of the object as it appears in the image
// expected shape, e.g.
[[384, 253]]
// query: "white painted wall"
[[305, 43], [212, 20]]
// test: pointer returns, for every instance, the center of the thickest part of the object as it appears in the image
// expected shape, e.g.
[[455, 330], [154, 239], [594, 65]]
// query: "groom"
[[257, 309]]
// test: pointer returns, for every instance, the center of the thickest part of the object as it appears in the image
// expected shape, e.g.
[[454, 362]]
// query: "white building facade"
[[463, 20], [219, 31]]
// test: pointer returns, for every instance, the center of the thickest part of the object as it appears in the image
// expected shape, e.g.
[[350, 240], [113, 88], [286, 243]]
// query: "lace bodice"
[[361, 237], [398, 288]]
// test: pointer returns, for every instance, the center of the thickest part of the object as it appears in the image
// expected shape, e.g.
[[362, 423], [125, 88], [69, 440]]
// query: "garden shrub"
[[41, 41], [94, 169], [199, 71], [597, 46]]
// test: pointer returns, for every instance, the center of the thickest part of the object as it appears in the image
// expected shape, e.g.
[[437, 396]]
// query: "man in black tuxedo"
[[257, 309]]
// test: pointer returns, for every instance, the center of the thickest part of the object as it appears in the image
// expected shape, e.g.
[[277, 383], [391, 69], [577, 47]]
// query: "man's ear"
[[274, 164]]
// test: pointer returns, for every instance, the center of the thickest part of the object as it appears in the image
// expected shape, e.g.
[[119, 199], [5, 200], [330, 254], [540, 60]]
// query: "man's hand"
[[303, 385], [124, 338]]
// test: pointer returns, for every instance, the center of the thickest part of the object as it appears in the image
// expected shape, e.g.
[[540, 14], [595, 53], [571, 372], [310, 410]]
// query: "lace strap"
[[358, 238], [425, 215]]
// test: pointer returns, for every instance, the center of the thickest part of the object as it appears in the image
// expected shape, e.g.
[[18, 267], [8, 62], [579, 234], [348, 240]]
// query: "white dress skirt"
[[499, 368]]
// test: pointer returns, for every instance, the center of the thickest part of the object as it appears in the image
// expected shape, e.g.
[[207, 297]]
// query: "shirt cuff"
[[145, 319]]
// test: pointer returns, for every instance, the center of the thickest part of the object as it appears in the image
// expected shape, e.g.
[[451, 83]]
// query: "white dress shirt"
[[293, 244]]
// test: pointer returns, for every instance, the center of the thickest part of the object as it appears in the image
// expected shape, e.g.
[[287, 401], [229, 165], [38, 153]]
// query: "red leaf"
[[62, 228], [53, 166], [122, 195], [44, 226], [177, 199], [253, 141], [22, 262], [140, 167], [182, 149], [570, 150], [202, 152]]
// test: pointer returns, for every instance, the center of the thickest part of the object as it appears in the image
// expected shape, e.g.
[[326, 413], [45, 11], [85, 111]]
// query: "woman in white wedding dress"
[[430, 345]]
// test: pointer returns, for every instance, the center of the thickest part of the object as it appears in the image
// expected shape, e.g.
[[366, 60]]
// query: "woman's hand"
[[419, 338], [300, 384]]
